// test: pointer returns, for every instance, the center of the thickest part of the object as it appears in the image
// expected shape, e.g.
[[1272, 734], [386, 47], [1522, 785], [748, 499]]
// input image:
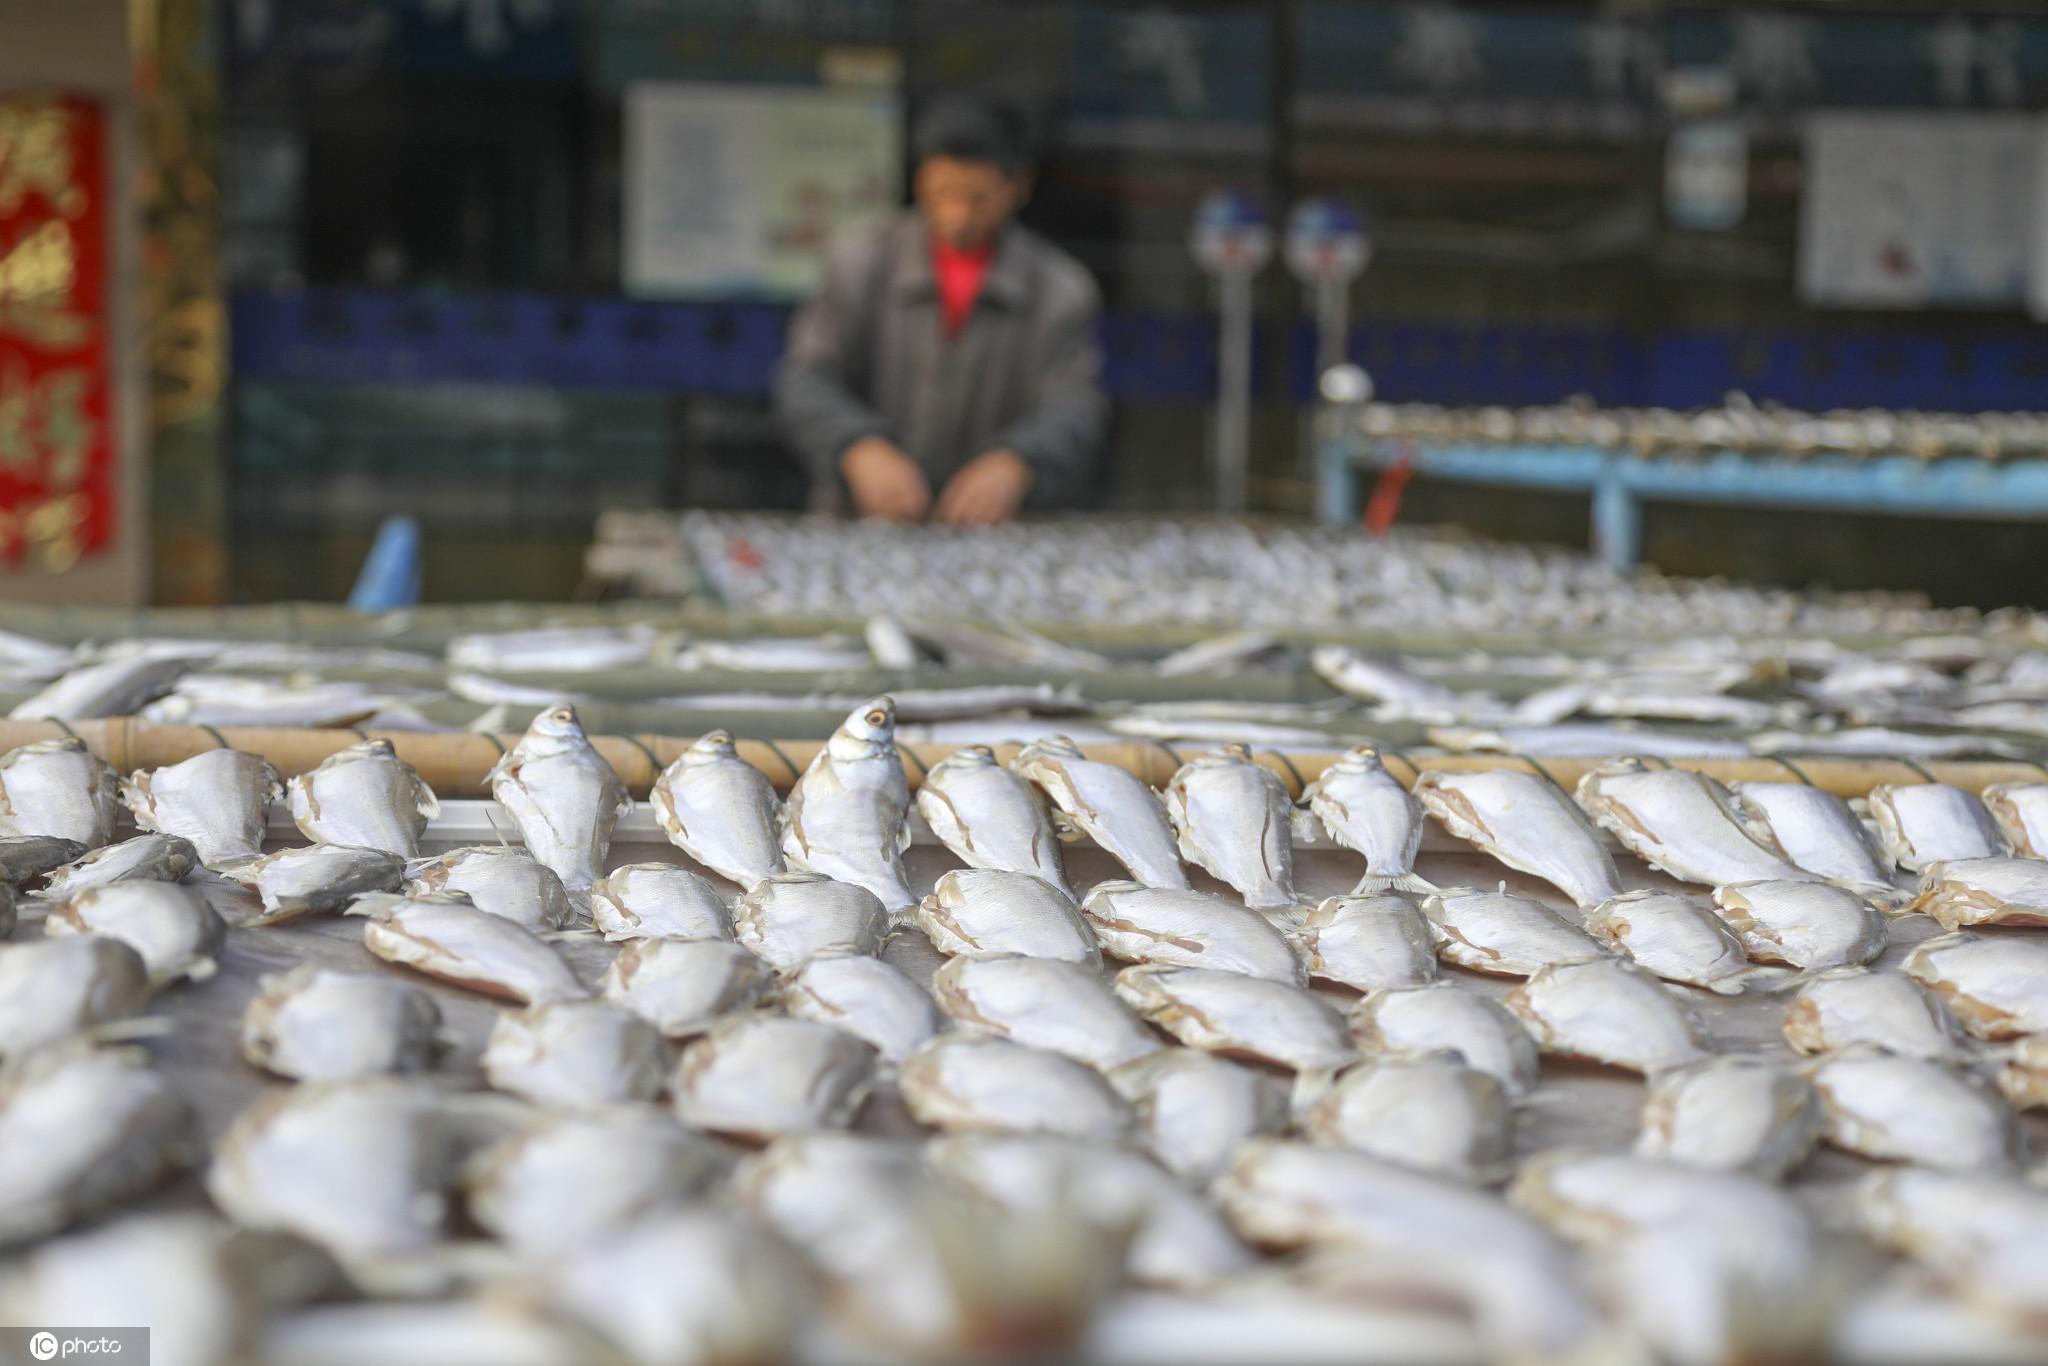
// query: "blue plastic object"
[[390, 578]]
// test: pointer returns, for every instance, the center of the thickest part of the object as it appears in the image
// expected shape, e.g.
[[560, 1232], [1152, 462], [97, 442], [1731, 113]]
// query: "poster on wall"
[[739, 190], [57, 485], [1917, 210]]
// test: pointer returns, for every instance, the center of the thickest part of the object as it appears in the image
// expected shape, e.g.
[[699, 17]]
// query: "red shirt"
[[959, 273]]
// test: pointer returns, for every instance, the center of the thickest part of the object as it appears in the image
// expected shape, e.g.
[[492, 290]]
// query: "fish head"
[[868, 730], [379, 748], [1235, 751], [1363, 758], [1049, 747], [713, 746], [558, 723], [971, 756]]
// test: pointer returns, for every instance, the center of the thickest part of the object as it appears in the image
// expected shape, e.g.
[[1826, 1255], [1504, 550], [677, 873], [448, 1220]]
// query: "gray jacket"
[[868, 356]]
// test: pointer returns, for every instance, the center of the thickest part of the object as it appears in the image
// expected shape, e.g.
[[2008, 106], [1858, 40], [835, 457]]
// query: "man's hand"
[[884, 481], [986, 490]]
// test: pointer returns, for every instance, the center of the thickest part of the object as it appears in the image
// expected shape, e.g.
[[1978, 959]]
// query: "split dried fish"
[[443, 935], [1369, 942], [316, 879], [145, 858], [1109, 805], [115, 687], [1498, 933], [1675, 937], [1610, 1011], [775, 654], [2021, 813], [1842, 1008], [990, 817], [1432, 1113], [575, 1054], [58, 788], [364, 796], [554, 649], [1142, 924], [1946, 1219], [1817, 831], [580, 1176], [1044, 1003], [968, 1083], [24, 858], [1592, 1197], [870, 999], [1996, 988], [1231, 653], [174, 929], [1924, 823], [319, 1024], [2023, 1075], [1239, 1016], [682, 986], [1683, 823], [657, 901], [720, 810], [1193, 1108], [976, 913], [1444, 1017], [757, 1077], [1377, 678], [562, 795], [1234, 819], [1583, 740], [508, 883], [1984, 891], [787, 918], [1364, 807], [219, 800], [52, 989], [1806, 924], [85, 1130], [845, 817], [1731, 1114], [1526, 822], [1895, 1109], [1881, 742]]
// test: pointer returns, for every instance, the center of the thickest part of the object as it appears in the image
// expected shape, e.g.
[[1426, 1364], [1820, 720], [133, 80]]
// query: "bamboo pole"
[[455, 764]]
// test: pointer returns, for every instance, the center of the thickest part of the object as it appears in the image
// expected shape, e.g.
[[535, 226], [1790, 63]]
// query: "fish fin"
[[1064, 828], [1411, 883], [1306, 826], [1892, 900], [1764, 979], [428, 805], [373, 904], [1311, 1085]]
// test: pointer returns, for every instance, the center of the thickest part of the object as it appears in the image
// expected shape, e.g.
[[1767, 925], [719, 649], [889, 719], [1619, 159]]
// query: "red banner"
[[57, 477]]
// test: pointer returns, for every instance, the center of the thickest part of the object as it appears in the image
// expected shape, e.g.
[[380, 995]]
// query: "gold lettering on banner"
[[35, 158], [36, 278], [45, 433]]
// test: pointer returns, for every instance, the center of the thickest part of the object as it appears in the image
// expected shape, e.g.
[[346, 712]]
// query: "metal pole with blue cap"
[[1327, 248], [1232, 241]]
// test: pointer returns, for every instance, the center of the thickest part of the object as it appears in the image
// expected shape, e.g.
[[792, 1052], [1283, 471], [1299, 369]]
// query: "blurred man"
[[948, 365]]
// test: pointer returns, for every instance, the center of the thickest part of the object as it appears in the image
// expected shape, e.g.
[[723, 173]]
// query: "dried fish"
[[451, 1332], [581, 1176], [845, 816], [2023, 1076], [508, 883], [1675, 937], [1583, 740], [1239, 1016], [58, 788], [85, 1130], [316, 879], [1946, 1219], [1817, 831], [682, 986], [967, 1083], [1924, 823], [757, 1077], [1881, 742], [1610, 1011], [990, 817], [1527, 823], [1806, 924], [1996, 988], [1895, 1109], [1109, 805], [720, 810], [1231, 653], [24, 858], [1193, 1108], [1377, 678], [562, 795], [791, 916], [1193, 929], [575, 1054], [1432, 1113], [174, 929], [2021, 813], [1683, 823], [145, 858], [554, 649], [1592, 1197], [1364, 807], [319, 1024], [1234, 819], [1844, 1007], [1984, 891], [1499, 933], [443, 935], [657, 901], [365, 796], [977, 913], [1444, 1017], [51, 989], [1369, 942], [114, 687], [870, 999], [219, 800], [1044, 1003], [775, 654], [1732, 1114]]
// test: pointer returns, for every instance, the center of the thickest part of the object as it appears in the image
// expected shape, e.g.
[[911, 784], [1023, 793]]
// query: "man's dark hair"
[[972, 128]]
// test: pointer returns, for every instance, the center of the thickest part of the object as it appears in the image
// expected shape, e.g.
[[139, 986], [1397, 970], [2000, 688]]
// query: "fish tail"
[[1410, 883]]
